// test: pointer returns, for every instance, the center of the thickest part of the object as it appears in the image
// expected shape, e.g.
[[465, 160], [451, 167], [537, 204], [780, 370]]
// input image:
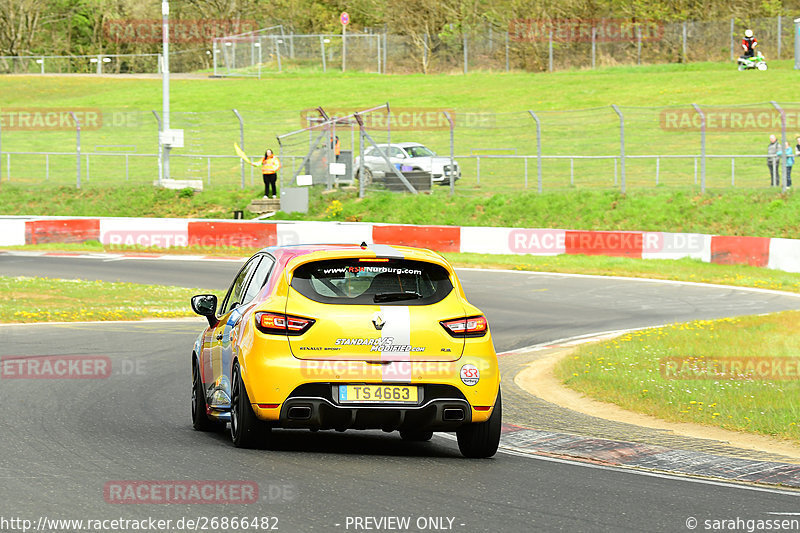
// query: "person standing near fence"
[[337, 148], [789, 163], [774, 152], [270, 166]]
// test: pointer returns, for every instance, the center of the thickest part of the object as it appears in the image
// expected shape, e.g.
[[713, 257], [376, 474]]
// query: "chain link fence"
[[526, 44], [620, 147]]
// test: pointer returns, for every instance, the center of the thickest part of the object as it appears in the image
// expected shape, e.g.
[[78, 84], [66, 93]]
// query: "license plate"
[[403, 394]]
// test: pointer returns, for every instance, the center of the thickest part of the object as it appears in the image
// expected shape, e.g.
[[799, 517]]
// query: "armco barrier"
[[753, 251], [612, 243], [62, 230], [780, 254], [439, 238], [218, 234]]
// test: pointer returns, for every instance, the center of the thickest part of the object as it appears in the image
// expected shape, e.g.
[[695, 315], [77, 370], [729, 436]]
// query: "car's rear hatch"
[[375, 309]]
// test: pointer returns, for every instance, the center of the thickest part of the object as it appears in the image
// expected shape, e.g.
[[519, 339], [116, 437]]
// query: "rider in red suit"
[[749, 43]]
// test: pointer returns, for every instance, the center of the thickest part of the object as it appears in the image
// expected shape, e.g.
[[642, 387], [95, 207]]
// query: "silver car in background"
[[413, 156]]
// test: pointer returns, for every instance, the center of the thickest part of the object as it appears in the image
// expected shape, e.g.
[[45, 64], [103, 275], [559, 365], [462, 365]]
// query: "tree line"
[[77, 27]]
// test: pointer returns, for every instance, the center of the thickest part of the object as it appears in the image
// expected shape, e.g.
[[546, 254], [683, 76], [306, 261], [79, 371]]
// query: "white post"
[[658, 165], [322, 48], [165, 85]]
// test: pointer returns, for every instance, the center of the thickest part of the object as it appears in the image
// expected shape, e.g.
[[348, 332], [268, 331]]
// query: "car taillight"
[[280, 324], [472, 326]]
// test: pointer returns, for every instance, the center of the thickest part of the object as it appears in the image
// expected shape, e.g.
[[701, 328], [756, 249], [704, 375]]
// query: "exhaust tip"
[[453, 414], [302, 412]]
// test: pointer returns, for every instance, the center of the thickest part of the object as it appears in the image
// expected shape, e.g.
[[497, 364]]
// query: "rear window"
[[364, 281]]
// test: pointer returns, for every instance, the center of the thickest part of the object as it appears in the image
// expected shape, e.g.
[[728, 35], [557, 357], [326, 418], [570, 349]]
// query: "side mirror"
[[206, 305]]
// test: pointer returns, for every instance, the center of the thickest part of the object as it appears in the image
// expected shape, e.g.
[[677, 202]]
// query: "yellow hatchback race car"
[[346, 337]]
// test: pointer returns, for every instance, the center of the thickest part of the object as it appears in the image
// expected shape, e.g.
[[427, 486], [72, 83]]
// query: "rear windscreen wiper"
[[395, 296]]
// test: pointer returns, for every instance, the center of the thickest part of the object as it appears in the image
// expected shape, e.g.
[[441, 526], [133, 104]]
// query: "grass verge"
[[713, 372], [29, 299], [732, 212]]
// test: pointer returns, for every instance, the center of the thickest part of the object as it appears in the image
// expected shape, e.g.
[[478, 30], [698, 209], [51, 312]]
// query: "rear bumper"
[[443, 408], [277, 381]]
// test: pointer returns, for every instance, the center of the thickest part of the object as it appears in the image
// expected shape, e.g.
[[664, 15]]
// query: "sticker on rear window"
[[391, 282]]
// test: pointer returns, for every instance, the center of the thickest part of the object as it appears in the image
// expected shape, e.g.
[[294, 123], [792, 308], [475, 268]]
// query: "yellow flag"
[[241, 154]]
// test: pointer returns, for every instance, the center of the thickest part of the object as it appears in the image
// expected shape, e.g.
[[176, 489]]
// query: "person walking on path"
[[789, 151], [774, 152], [270, 165]]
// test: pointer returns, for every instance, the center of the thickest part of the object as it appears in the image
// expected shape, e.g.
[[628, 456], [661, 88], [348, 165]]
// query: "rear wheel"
[[416, 436], [200, 419], [367, 176], [247, 431], [482, 439]]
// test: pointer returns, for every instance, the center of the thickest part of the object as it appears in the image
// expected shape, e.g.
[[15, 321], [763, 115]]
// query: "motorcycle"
[[758, 62]]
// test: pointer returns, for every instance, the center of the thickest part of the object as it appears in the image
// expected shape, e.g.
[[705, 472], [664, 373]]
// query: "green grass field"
[[490, 110], [29, 299], [685, 373]]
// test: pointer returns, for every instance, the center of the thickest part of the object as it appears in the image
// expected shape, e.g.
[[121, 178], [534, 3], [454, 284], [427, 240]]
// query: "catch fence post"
[[702, 148], [684, 41], [241, 142], [538, 152], [621, 144], [733, 40], [77, 149], [452, 152], [507, 63], [160, 167], [466, 68]]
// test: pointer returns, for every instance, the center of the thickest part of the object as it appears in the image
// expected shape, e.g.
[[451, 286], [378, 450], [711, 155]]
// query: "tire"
[[247, 431], [416, 436], [480, 440], [367, 177], [200, 420], [741, 68]]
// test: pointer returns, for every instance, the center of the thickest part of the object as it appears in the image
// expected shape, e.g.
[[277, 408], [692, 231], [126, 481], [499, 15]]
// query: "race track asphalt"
[[64, 440]]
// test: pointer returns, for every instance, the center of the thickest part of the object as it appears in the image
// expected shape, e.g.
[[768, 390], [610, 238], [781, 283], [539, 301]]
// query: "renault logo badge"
[[378, 321]]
